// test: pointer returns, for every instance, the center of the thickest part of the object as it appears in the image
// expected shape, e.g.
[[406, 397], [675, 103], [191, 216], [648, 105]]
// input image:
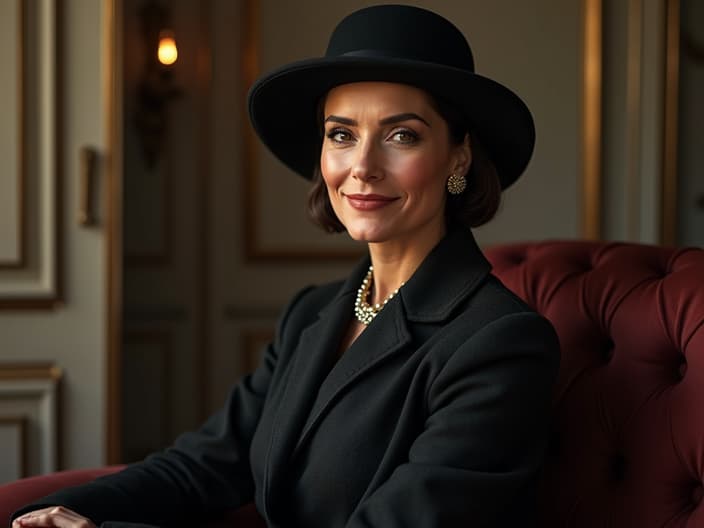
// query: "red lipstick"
[[369, 202]]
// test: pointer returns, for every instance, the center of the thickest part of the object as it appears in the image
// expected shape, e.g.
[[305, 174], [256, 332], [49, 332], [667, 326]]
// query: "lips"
[[369, 202]]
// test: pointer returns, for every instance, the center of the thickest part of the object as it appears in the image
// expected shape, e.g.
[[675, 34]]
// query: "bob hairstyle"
[[472, 208]]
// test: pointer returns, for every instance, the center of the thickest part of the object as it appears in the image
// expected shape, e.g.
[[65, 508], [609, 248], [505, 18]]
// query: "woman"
[[415, 393]]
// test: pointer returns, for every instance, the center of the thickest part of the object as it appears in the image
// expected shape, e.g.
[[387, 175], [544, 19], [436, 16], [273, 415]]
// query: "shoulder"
[[303, 308], [498, 299], [495, 323], [498, 342], [491, 302]]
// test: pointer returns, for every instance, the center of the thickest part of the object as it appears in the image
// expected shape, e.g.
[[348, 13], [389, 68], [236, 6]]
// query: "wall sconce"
[[156, 87]]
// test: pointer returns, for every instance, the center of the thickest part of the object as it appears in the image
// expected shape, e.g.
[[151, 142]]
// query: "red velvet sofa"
[[627, 448]]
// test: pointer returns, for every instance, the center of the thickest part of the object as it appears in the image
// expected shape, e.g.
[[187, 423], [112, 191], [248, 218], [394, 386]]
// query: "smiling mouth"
[[369, 202]]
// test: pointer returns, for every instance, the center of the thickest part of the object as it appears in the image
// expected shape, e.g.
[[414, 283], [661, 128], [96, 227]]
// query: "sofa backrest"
[[627, 448]]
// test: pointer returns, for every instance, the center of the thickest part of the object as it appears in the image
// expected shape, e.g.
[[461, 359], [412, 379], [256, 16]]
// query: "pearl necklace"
[[364, 311]]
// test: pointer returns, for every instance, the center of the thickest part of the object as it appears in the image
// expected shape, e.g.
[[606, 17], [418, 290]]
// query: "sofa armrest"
[[16, 494]]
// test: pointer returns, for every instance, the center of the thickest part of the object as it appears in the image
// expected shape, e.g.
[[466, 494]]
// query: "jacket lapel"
[[446, 278], [385, 335], [315, 355]]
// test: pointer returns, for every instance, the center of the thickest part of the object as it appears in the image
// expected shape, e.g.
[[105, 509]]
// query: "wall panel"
[[29, 201], [29, 419]]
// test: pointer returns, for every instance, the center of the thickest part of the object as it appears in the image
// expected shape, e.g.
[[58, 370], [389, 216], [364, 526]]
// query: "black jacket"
[[436, 416]]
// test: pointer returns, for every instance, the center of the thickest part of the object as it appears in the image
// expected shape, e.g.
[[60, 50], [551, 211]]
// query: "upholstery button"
[[617, 468], [682, 368], [698, 494], [660, 273], [608, 350]]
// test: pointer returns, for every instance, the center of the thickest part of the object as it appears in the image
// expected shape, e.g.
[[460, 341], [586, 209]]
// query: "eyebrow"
[[398, 118]]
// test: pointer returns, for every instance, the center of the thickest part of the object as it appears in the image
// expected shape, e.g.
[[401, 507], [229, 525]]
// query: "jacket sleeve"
[[204, 473], [483, 442]]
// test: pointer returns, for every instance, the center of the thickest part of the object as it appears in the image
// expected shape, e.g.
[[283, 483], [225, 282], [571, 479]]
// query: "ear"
[[463, 157]]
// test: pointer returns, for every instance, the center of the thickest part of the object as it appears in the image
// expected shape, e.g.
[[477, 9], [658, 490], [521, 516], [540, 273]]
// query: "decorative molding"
[[20, 424], [29, 371], [668, 228], [112, 86], [591, 118], [253, 250], [21, 82], [37, 284], [38, 385]]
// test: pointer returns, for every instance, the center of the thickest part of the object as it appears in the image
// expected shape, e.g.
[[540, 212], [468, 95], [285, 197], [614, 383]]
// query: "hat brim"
[[282, 107]]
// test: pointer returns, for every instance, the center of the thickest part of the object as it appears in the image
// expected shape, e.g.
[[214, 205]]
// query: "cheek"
[[332, 169], [421, 175]]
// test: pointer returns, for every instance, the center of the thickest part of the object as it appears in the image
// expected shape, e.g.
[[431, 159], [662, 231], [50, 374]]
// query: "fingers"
[[56, 516]]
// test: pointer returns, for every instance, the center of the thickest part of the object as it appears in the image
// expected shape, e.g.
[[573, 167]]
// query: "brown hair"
[[472, 208]]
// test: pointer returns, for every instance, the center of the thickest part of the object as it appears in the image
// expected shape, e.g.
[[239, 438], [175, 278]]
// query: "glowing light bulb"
[[167, 52]]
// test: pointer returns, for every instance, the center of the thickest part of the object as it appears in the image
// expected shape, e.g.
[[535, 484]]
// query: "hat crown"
[[401, 32]]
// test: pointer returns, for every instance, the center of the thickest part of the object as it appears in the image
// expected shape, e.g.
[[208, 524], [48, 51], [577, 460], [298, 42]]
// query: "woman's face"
[[385, 160]]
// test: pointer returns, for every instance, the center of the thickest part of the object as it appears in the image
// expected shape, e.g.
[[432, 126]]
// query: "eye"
[[404, 137], [339, 135]]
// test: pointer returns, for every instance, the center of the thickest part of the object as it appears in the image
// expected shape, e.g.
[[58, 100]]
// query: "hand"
[[56, 516]]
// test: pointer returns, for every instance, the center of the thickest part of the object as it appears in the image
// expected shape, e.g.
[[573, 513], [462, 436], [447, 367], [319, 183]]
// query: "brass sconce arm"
[[157, 86]]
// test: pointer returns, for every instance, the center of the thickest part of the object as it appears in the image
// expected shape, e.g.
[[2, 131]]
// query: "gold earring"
[[456, 184]]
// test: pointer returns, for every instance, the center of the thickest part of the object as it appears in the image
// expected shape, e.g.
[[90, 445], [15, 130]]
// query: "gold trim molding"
[[21, 261], [112, 86], [24, 371], [591, 119]]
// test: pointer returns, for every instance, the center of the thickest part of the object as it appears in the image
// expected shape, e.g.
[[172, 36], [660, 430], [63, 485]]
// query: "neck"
[[395, 261]]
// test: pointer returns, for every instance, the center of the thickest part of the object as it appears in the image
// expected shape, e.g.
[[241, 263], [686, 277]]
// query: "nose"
[[367, 164]]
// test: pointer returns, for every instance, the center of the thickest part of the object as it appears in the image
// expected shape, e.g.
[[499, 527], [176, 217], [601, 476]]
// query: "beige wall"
[[633, 95], [72, 334]]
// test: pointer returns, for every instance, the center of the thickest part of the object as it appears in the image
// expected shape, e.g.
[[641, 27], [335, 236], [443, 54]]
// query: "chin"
[[366, 235]]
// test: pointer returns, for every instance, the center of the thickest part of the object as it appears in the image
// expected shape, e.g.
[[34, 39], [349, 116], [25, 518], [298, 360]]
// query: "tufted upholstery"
[[628, 441]]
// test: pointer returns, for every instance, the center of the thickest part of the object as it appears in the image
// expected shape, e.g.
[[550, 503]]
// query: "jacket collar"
[[450, 272]]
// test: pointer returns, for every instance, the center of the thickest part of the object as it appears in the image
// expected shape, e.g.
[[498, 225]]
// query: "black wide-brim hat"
[[390, 43]]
